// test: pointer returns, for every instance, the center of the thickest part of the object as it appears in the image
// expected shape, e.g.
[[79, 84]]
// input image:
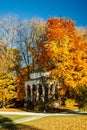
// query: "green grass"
[[77, 122], [73, 122], [11, 118]]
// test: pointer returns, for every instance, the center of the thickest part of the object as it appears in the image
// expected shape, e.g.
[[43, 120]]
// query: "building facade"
[[40, 88]]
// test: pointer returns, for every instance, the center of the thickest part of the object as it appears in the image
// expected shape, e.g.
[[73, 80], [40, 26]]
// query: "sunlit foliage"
[[64, 52]]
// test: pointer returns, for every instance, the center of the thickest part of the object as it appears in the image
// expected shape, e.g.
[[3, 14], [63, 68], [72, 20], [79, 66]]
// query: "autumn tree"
[[8, 27], [18, 48], [20, 81], [9, 65], [9, 59], [64, 53], [82, 31], [29, 33], [8, 40]]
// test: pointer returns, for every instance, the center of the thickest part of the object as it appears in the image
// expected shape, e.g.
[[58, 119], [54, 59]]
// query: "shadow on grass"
[[7, 124], [66, 111], [58, 110]]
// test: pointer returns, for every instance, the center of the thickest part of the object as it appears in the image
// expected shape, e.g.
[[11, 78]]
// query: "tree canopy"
[[63, 51], [56, 45]]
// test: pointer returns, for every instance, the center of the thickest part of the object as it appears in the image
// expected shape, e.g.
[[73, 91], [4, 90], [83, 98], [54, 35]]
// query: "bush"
[[15, 103], [39, 107], [69, 103], [81, 96]]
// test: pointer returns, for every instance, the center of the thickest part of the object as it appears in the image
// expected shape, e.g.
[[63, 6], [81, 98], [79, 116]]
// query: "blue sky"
[[74, 9]]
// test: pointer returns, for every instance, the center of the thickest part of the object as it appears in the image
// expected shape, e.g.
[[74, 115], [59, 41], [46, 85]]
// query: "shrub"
[[80, 94], [69, 103]]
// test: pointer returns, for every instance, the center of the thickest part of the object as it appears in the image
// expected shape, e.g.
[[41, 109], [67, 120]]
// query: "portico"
[[39, 88]]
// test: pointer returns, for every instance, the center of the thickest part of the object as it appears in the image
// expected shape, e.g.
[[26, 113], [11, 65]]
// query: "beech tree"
[[64, 53]]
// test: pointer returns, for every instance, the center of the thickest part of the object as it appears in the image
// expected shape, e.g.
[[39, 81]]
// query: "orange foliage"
[[20, 83], [20, 80], [64, 52]]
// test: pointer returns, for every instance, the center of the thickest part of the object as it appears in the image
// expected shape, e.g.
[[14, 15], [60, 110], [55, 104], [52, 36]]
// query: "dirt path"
[[42, 114]]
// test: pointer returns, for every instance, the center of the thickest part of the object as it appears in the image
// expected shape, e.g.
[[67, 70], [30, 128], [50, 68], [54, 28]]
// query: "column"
[[31, 93], [26, 96], [53, 90], [43, 93], [49, 91], [37, 93]]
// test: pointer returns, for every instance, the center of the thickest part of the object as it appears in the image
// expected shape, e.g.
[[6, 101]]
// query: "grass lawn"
[[74, 122], [11, 118]]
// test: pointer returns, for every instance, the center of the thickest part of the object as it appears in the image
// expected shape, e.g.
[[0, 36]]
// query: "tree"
[[64, 53], [8, 27], [7, 88], [20, 79], [18, 47], [10, 59], [82, 31], [29, 32], [9, 65]]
